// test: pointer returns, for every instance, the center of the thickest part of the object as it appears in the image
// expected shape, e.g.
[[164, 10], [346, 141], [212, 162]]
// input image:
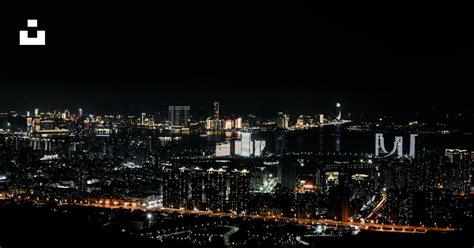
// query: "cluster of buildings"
[[217, 190], [244, 147], [308, 121]]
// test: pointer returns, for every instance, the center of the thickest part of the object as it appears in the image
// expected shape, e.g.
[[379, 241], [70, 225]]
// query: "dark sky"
[[254, 57]]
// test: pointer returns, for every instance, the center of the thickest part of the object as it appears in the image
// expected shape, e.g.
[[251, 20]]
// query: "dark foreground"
[[23, 225]]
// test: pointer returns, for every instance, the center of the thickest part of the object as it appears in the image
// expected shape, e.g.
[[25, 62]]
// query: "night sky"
[[297, 57]]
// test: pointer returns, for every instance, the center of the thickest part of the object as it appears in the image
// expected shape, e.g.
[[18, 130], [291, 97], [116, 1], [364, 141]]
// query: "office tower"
[[179, 115], [80, 112], [247, 144], [143, 119], [238, 148], [412, 145], [216, 111], [198, 177], [223, 149], [239, 191], [215, 188], [238, 123], [259, 147], [282, 120], [228, 125], [339, 112], [321, 119], [287, 175], [36, 112]]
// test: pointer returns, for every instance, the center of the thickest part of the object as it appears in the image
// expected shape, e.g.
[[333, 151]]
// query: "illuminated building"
[[215, 188], [216, 111], [238, 123], [143, 119], [282, 120], [175, 187], [456, 154], [259, 147], [239, 190], [245, 147], [214, 125], [238, 148], [228, 125], [339, 112], [397, 146], [247, 144], [321, 119], [300, 122], [179, 115], [223, 149], [198, 177]]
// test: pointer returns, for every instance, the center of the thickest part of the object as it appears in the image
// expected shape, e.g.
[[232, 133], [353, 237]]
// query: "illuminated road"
[[120, 204], [380, 205], [366, 226]]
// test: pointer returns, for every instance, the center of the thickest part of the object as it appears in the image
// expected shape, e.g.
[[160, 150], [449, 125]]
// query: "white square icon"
[[37, 40], [32, 23]]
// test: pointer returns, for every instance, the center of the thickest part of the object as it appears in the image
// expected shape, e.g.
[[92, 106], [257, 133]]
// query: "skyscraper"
[[282, 120], [216, 111], [175, 187], [198, 177], [238, 123], [223, 149], [239, 190], [179, 115], [247, 144], [215, 188]]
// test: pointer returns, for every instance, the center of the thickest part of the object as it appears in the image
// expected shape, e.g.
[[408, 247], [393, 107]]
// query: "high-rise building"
[[339, 112], [455, 155], [179, 115], [143, 119], [238, 148], [239, 190], [175, 187], [238, 123], [259, 147], [228, 125], [287, 174], [247, 144], [223, 149], [198, 177], [215, 189], [215, 114], [282, 120]]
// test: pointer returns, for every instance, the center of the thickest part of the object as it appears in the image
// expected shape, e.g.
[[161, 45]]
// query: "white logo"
[[39, 40]]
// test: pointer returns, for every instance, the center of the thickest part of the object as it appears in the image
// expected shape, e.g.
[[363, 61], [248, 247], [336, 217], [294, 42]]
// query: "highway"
[[366, 226], [120, 204]]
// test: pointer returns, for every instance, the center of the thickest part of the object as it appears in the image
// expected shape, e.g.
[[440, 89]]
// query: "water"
[[333, 139]]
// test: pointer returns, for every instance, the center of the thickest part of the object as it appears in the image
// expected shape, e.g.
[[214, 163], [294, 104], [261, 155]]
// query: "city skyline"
[[235, 124]]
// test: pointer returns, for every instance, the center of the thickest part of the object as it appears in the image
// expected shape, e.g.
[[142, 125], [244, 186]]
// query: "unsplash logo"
[[38, 39]]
